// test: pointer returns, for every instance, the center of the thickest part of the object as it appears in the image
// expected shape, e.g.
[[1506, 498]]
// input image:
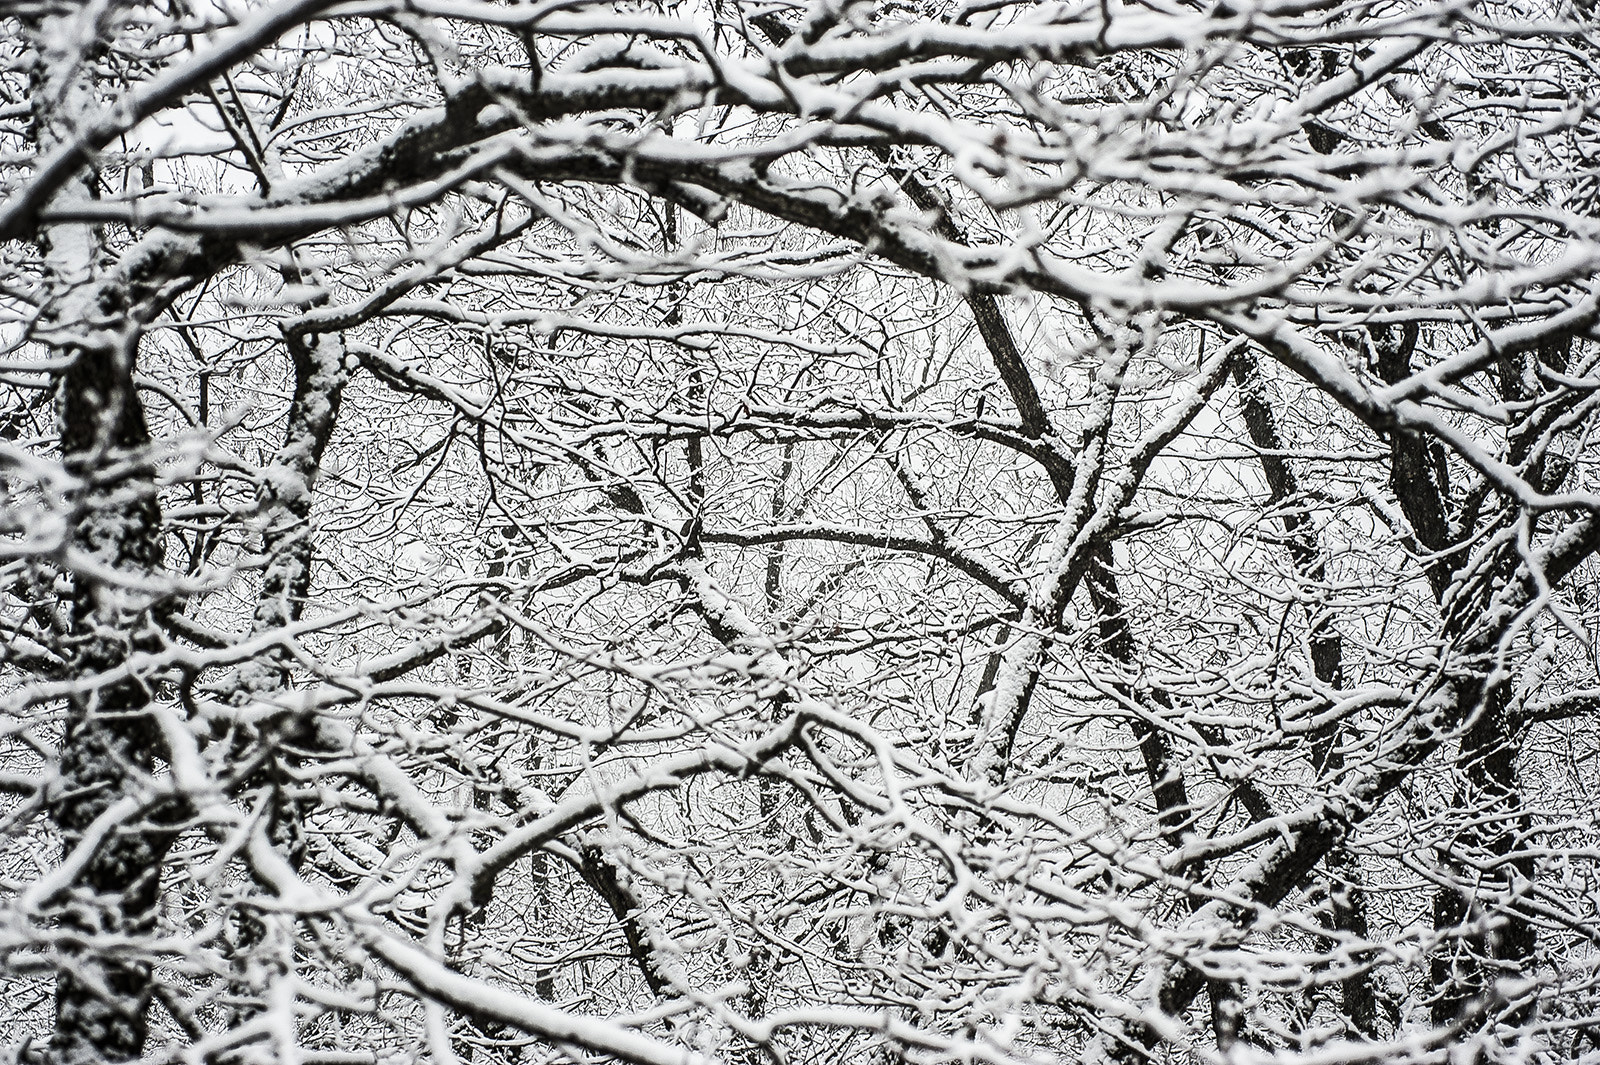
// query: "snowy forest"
[[799, 532]]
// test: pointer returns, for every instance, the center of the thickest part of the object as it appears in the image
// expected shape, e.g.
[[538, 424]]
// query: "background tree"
[[763, 532]]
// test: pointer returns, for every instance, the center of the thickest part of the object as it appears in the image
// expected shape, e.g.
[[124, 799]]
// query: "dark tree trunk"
[[108, 752]]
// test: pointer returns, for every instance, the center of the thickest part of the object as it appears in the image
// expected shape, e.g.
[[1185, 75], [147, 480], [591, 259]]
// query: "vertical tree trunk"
[[108, 748]]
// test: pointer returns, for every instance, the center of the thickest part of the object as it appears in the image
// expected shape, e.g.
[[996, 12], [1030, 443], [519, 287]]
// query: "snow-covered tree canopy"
[[719, 532]]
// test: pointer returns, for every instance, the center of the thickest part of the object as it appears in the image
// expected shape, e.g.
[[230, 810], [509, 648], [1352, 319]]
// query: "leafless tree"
[[743, 532]]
